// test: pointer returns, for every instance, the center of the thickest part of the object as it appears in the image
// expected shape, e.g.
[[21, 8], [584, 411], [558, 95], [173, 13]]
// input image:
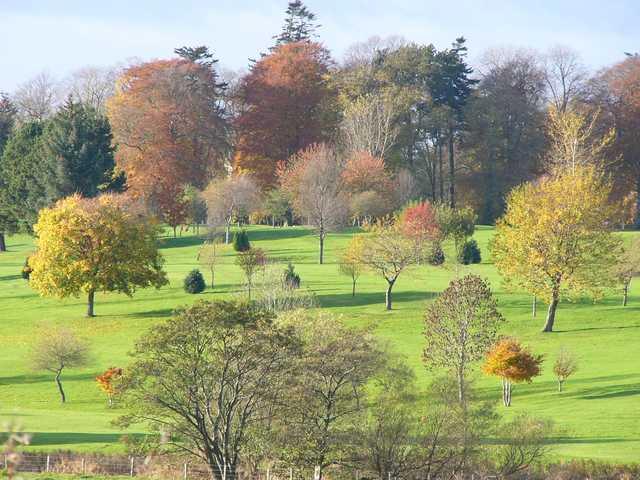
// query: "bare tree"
[[314, 181], [405, 188], [564, 366], [57, 348], [229, 198], [364, 53], [565, 74], [369, 124], [209, 255], [36, 99], [93, 85], [524, 444]]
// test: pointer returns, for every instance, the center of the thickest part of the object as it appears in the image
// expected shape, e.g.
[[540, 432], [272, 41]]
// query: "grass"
[[598, 412]]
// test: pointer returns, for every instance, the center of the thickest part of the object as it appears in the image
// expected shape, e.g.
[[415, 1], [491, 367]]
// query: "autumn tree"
[[314, 182], [418, 221], [251, 262], [456, 225], [513, 363], [287, 107], [350, 262], [460, 325], [107, 382], [57, 348], [627, 267], [209, 256], [229, 198], [555, 238], [564, 366], [388, 252], [212, 375], [94, 245], [169, 124]]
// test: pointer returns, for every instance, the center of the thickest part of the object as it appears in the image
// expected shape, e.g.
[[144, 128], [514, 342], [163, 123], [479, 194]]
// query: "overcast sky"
[[61, 36]]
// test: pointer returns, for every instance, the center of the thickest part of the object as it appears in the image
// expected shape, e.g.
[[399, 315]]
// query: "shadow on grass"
[[180, 242], [277, 233], [162, 312], [63, 438], [612, 391], [40, 378], [10, 277], [369, 298]]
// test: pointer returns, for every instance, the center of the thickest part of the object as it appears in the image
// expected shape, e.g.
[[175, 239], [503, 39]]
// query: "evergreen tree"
[[7, 121], [298, 26], [77, 141]]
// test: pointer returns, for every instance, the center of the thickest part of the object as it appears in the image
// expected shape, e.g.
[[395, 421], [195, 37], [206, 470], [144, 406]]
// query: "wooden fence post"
[[184, 472], [48, 462], [131, 469], [84, 466], [291, 474]]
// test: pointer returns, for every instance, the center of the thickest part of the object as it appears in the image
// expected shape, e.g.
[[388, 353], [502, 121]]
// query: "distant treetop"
[[298, 26]]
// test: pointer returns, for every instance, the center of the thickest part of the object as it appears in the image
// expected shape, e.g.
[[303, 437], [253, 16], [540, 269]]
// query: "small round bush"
[[26, 270], [194, 282], [241, 241], [291, 278], [436, 256], [470, 253]]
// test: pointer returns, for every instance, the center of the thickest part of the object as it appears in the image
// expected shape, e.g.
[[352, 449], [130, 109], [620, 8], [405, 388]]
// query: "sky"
[[61, 36]]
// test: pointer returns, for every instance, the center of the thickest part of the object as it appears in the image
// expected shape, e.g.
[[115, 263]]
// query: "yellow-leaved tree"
[[555, 238], [94, 245]]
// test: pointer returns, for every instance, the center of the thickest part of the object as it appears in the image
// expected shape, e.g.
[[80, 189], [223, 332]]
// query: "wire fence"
[[169, 468]]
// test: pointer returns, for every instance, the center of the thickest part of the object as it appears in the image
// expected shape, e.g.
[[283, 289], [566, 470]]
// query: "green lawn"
[[599, 413]]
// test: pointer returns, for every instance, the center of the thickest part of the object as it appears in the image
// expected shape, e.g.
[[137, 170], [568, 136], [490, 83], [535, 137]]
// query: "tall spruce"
[[299, 25], [8, 113]]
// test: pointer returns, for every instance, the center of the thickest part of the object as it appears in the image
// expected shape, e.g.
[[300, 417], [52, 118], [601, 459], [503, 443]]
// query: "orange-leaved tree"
[[106, 382], [287, 106], [513, 363], [169, 125]]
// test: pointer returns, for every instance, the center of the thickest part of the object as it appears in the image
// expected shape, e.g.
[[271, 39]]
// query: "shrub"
[[470, 253], [241, 241], [26, 269], [194, 282], [436, 256], [291, 278]]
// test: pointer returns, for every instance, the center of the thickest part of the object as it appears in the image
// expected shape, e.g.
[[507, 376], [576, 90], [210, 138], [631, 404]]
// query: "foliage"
[[350, 262], [565, 365], [26, 269], [436, 255], [251, 261], [209, 256], [291, 277], [277, 205], [94, 245], [211, 350], [456, 224], [275, 294], [57, 348], [194, 282], [241, 241], [364, 172], [418, 222], [555, 238], [460, 325], [627, 267], [107, 382], [298, 25], [470, 253], [287, 106], [513, 363]]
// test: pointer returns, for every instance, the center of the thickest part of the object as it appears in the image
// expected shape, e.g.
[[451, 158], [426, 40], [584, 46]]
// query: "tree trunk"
[[387, 296], [174, 231], [353, 288], [90, 300], [461, 392], [440, 171], [3, 244], [637, 219], [59, 383], [212, 278], [559, 385], [227, 232], [452, 172], [535, 306], [321, 246], [625, 293], [551, 314], [506, 392]]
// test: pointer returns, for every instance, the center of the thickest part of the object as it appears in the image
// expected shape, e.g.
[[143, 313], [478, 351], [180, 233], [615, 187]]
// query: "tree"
[[628, 267], [314, 182], [277, 206], [364, 172], [388, 252], [513, 363], [107, 382], [36, 98], [196, 208], [565, 75], [456, 224], [94, 245], [209, 256], [326, 396], [564, 366], [229, 198], [57, 348], [350, 262], [169, 124], [460, 325], [77, 139], [287, 106], [555, 238], [93, 86], [8, 114], [194, 282], [298, 26], [525, 442], [211, 375], [418, 222], [251, 261]]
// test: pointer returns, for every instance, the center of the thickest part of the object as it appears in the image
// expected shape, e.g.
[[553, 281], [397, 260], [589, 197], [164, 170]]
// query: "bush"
[[241, 241], [26, 269], [194, 282], [291, 278], [470, 253], [436, 256]]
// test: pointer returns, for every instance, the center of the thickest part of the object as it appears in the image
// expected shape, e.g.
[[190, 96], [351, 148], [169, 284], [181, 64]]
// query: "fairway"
[[598, 413]]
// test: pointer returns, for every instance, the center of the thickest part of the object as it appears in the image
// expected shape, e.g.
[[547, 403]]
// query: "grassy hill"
[[599, 411]]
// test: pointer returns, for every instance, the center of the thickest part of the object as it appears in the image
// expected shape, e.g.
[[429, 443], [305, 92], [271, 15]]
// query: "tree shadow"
[[278, 233], [70, 438], [10, 277], [369, 298], [181, 242], [162, 312], [44, 378]]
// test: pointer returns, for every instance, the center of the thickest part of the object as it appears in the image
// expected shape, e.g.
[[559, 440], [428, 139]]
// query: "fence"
[[169, 468]]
